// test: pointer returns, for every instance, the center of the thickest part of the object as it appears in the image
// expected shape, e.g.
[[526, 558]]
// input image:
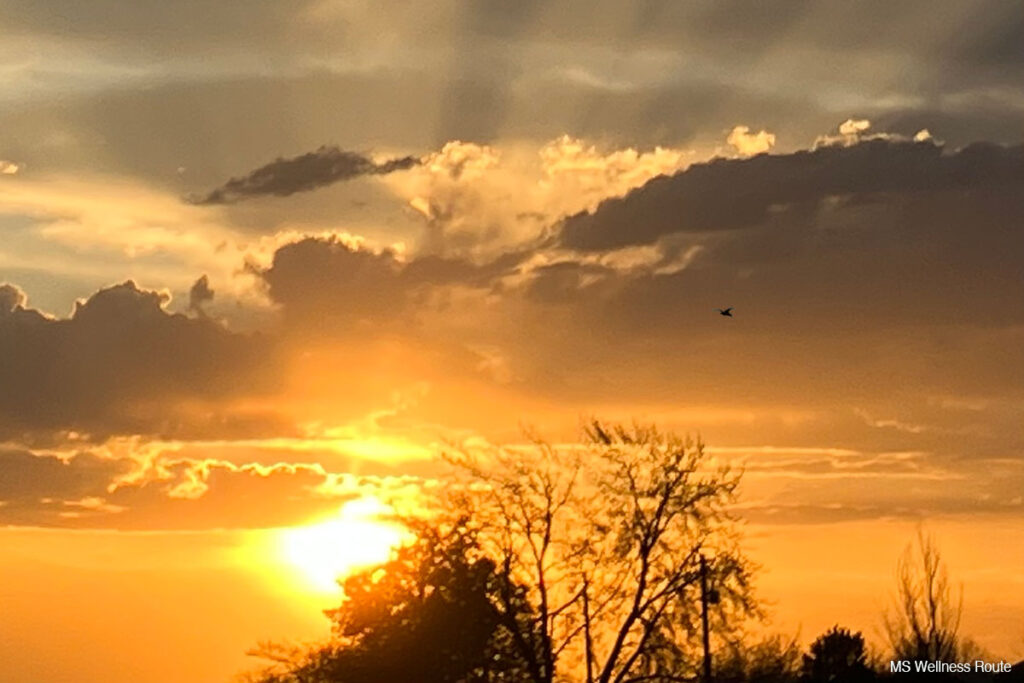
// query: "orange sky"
[[121, 606]]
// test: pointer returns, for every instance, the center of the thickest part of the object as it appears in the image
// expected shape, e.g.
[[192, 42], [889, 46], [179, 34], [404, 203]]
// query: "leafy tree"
[[838, 656], [427, 615], [606, 539], [775, 659], [926, 619]]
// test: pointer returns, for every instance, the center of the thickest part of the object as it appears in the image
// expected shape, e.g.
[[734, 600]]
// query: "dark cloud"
[[729, 30], [304, 173], [987, 118], [565, 281], [190, 26], [123, 364], [993, 40], [27, 477], [200, 294], [734, 194], [323, 280], [878, 276], [329, 279]]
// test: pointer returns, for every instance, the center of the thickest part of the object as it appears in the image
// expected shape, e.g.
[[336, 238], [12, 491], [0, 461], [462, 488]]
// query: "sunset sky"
[[260, 261]]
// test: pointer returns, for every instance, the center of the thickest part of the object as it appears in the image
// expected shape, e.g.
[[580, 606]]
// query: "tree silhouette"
[[427, 615], [607, 538], [837, 656], [774, 659], [926, 620]]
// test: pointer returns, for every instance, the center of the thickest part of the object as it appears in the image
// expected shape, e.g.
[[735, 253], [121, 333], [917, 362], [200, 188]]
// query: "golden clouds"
[[478, 199], [86, 229], [152, 485], [854, 127], [111, 213], [747, 143], [11, 297]]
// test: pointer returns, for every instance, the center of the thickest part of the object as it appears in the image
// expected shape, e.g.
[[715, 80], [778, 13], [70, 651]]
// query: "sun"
[[358, 537]]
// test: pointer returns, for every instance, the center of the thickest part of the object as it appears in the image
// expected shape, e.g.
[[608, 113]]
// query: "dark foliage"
[[428, 615], [774, 659], [837, 656]]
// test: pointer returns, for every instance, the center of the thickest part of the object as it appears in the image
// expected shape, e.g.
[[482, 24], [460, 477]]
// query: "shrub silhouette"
[[774, 659], [837, 656]]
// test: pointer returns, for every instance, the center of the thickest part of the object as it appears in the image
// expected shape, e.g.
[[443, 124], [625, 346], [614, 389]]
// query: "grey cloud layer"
[[880, 270], [123, 364], [327, 280], [241, 82], [306, 172], [985, 30], [734, 194]]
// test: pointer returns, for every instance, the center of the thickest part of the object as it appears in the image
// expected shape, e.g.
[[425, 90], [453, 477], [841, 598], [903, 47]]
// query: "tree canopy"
[[607, 537], [426, 615]]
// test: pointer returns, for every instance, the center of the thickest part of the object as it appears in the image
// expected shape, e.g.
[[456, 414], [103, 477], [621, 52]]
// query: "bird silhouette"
[[727, 312]]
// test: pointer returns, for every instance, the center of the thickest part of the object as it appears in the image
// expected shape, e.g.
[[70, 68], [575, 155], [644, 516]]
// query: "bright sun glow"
[[327, 550]]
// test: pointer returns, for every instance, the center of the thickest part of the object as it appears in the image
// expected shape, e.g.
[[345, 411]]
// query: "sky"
[[260, 261]]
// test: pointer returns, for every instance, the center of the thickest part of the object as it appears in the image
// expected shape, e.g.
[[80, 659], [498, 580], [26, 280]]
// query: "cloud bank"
[[876, 284], [121, 363], [734, 194]]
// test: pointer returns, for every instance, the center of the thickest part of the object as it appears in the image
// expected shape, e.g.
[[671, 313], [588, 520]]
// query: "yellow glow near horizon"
[[326, 551]]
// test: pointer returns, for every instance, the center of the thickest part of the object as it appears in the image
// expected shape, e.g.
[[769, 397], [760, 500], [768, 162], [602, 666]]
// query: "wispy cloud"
[[304, 173]]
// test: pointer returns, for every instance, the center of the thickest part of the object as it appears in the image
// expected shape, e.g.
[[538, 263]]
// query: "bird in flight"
[[727, 312]]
